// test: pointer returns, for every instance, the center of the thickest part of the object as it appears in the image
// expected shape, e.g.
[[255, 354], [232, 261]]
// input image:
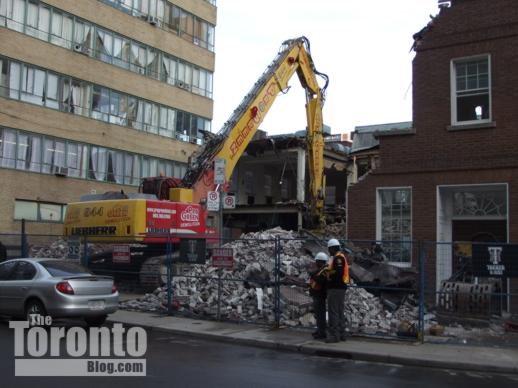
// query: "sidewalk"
[[481, 359]]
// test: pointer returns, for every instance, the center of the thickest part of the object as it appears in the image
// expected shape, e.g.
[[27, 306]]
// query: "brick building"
[[95, 95], [454, 175]]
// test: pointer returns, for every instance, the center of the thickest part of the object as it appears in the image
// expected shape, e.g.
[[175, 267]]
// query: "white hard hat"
[[321, 256], [333, 243]]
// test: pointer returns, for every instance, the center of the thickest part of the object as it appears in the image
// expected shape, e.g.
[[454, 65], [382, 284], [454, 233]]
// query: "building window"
[[184, 76], [53, 155], [38, 20], [26, 210], [138, 58], [131, 170], [61, 29], [167, 121], [81, 98], [33, 84], [101, 103], [394, 223], [83, 37], [153, 63], [14, 11], [169, 70], [97, 165], [38, 211], [104, 46], [4, 77], [76, 159], [115, 166], [52, 91], [471, 90], [7, 148], [486, 202], [14, 80]]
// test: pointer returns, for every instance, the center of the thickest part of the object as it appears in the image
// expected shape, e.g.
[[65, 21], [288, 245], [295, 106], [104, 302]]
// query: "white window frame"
[[378, 220], [38, 216], [453, 89]]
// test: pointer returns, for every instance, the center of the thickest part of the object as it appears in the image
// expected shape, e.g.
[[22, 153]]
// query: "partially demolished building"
[[271, 180]]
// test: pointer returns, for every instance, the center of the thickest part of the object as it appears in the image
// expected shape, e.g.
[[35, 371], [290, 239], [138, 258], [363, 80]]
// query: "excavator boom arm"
[[238, 131]]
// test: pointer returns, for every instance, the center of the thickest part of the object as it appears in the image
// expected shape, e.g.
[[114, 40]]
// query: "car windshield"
[[59, 268]]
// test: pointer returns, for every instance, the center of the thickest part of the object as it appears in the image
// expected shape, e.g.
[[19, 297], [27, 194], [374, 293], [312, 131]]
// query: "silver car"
[[56, 287]]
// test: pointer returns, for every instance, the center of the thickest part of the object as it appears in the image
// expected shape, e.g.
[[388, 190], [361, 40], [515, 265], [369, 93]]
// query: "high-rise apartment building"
[[95, 95]]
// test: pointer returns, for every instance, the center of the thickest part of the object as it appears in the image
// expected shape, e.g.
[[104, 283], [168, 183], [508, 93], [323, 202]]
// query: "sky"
[[362, 45]]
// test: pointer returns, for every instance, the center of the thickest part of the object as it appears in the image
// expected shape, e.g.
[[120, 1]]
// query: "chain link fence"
[[436, 292]]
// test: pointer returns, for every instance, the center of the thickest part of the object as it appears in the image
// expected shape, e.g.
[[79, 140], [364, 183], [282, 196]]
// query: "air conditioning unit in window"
[[182, 85], [153, 20], [60, 171], [79, 48]]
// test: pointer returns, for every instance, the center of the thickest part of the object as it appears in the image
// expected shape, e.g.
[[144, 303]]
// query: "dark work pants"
[[319, 309], [335, 307]]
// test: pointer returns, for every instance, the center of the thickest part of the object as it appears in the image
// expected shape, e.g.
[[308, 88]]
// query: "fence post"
[[23, 242], [277, 271], [219, 294], [422, 254], [169, 261], [85, 252], [221, 237]]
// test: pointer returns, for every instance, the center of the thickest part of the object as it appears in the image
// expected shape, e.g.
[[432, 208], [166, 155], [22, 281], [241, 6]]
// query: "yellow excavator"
[[293, 57]]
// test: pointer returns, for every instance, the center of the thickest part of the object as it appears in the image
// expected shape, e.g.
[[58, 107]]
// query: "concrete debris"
[[336, 230], [437, 330], [59, 249], [247, 292], [368, 266]]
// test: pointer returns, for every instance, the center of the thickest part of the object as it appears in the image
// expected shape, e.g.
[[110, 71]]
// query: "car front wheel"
[[34, 307]]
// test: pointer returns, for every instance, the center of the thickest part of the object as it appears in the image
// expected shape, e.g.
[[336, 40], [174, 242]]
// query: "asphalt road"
[[175, 361]]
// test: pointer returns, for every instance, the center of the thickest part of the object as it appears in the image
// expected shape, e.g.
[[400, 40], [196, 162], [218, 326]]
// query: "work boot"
[[343, 337]]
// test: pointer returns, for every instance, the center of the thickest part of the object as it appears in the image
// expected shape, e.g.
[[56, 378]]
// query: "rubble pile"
[[247, 292], [59, 249], [336, 230], [56, 249]]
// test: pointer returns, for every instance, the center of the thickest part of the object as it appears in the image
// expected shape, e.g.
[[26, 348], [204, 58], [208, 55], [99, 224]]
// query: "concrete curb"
[[312, 349]]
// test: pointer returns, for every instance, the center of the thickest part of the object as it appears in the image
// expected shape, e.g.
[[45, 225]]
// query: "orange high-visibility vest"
[[345, 276]]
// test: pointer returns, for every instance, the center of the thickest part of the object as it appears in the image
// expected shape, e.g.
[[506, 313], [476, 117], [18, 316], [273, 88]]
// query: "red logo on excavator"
[[190, 214], [256, 117]]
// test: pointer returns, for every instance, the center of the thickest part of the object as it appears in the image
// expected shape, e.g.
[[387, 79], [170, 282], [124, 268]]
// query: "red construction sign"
[[223, 258], [121, 254]]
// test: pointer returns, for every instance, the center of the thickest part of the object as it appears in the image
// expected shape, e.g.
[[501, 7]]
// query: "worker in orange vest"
[[337, 282]]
